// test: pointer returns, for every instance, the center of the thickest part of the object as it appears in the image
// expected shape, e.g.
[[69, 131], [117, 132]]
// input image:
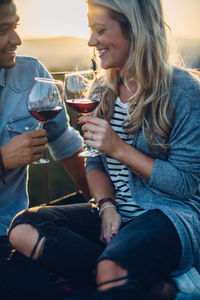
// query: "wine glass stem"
[[90, 151], [40, 126]]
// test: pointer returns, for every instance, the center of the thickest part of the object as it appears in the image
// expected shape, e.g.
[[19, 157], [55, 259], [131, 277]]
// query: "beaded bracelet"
[[2, 169], [104, 200], [102, 209]]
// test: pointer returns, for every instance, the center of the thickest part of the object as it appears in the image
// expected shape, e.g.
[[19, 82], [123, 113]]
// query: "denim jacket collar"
[[2, 77], [12, 76]]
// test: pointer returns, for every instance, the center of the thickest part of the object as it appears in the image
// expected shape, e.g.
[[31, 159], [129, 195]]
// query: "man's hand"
[[23, 149]]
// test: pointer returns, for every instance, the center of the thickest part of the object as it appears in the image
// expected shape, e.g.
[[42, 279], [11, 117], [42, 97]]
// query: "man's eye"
[[7, 29], [4, 31]]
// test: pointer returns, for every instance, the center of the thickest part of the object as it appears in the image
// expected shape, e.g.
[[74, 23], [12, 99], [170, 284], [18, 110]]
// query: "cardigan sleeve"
[[94, 163], [179, 176]]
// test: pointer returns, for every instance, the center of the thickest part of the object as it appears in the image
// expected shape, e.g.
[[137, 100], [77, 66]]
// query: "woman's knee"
[[110, 274]]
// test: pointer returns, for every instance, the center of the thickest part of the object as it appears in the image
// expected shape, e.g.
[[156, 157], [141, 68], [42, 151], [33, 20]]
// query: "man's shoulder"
[[25, 62], [22, 75]]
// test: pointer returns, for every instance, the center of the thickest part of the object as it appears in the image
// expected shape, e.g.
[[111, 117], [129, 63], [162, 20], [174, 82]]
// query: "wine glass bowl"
[[45, 101], [83, 106], [82, 93]]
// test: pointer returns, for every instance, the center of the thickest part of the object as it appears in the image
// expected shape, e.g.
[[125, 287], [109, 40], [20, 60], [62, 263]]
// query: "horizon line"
[[37, 37], [34, 37]]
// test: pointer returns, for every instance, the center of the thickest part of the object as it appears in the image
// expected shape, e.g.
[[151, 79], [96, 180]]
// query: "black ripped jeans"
[[22, 278], [147, 246]]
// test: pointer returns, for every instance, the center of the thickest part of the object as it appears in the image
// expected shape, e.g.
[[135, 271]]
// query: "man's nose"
[[14, 38]]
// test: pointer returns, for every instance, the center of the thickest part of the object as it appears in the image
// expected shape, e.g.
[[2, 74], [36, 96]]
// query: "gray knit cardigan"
[[174, 185]]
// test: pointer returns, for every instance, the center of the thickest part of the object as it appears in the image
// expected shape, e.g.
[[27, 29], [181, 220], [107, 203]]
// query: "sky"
[[69, 17]]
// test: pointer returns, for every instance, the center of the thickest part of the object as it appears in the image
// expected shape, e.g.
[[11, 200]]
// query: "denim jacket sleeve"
[[179, 176]]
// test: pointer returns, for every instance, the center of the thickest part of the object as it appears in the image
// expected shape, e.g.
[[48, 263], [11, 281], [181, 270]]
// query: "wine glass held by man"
[[44, 102], [143, 236]]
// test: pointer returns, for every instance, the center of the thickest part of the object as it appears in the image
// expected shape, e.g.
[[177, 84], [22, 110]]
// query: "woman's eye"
[[100, 31]]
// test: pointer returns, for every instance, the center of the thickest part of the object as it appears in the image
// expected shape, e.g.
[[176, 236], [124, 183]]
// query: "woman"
[[146, 182]]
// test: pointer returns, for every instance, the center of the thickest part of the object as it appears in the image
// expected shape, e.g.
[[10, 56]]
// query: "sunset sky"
[[68, 17]]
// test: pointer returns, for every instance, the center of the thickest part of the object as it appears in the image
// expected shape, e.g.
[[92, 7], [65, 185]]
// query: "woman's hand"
[[99, 134], [110, 224]]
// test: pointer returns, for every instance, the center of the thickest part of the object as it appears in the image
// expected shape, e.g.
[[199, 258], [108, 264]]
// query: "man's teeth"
[[10, 52]]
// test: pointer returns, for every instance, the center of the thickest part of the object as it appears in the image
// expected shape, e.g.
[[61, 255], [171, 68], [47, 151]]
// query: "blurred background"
[[56, 32]]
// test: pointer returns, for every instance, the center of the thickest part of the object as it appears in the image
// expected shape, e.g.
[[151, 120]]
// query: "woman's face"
[[107, 37]]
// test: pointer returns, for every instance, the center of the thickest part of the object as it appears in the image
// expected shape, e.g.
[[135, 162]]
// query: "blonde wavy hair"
[[143, 23]]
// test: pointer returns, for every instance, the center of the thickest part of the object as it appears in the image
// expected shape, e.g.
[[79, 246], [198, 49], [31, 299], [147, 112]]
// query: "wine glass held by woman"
[[45, 101], [83, 94]]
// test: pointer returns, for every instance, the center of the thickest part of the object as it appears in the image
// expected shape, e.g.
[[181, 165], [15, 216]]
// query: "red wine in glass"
[[43, 114], [45, 101], [83, 106]]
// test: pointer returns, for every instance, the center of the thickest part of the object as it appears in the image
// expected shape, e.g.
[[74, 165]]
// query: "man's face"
[[9, 39]]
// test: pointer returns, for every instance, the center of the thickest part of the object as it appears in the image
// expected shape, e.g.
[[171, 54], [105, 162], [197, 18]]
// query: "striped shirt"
[[119, 173]]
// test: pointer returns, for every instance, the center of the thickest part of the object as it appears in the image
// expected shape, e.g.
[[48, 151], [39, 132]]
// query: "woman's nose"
[[92, 42]]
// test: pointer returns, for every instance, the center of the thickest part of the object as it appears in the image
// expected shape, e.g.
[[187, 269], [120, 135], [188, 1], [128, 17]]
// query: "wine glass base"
[[41, 161], [90, 153]]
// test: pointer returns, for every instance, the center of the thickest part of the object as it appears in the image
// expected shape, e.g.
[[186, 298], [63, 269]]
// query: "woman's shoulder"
[[186, 82]]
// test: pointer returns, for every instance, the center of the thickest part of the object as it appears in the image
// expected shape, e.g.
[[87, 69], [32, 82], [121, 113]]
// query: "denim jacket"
[[174, 184], [63, 140]]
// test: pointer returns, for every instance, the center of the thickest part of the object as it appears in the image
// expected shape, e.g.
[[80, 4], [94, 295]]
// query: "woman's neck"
[[125, 93]]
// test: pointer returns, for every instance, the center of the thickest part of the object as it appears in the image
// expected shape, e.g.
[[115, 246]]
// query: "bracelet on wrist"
[[102, 209], [3, 170], [104, 200]]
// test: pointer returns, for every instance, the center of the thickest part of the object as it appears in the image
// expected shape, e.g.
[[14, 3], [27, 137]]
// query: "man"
[[20, 145]]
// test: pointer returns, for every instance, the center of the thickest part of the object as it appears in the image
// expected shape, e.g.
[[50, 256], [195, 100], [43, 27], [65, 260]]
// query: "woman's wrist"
[[106, 201], [105, 207]]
